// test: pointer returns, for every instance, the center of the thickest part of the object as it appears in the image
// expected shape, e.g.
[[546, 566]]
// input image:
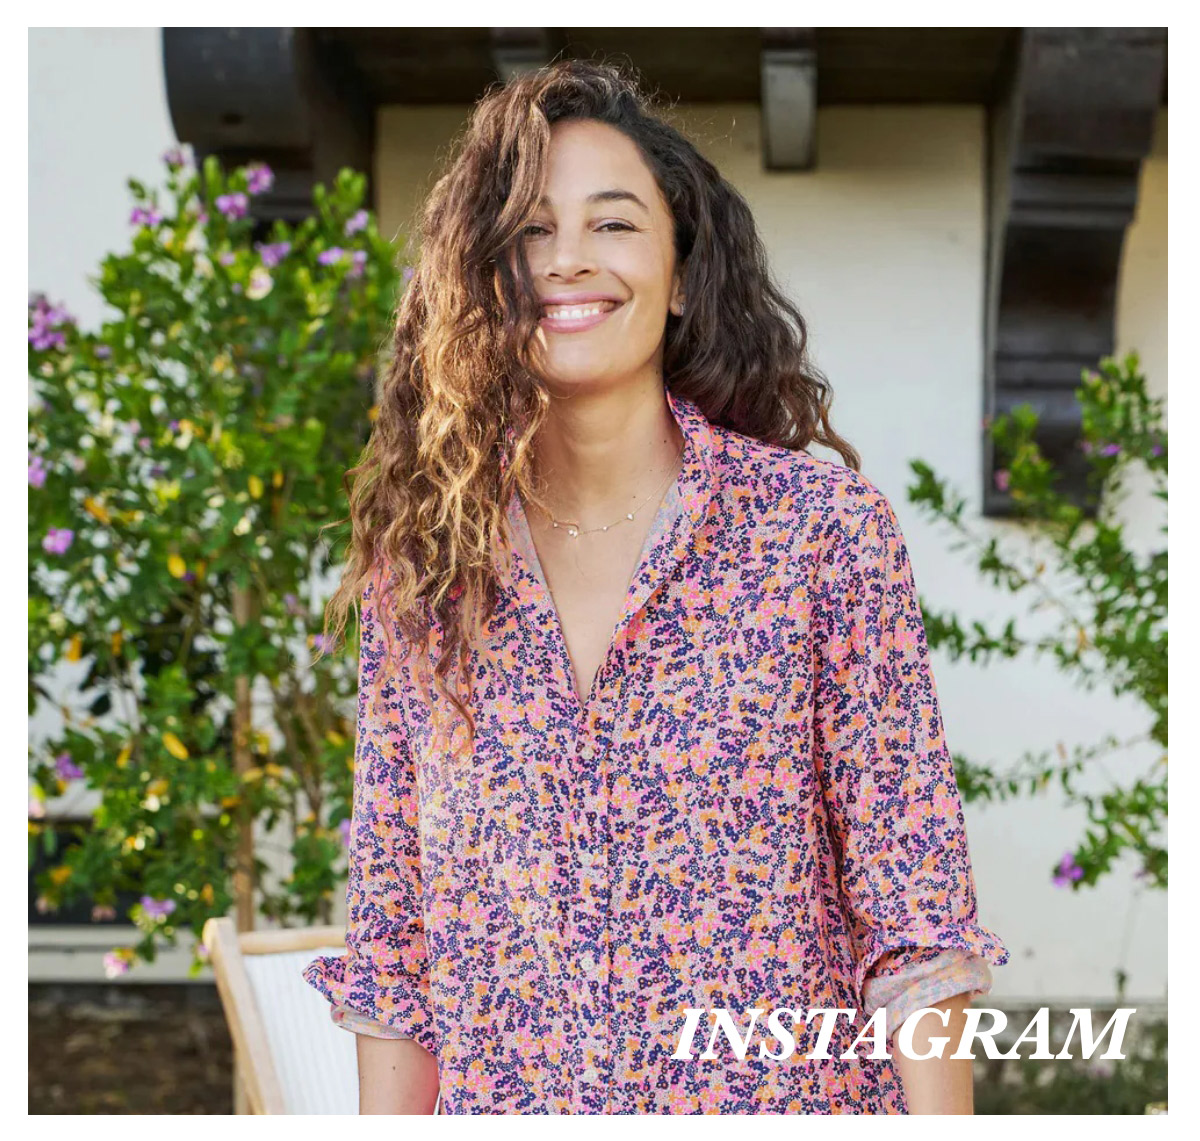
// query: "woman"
[[647, 729]]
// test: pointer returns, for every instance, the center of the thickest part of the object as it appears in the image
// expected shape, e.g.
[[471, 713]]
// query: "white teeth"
[[574, 313]]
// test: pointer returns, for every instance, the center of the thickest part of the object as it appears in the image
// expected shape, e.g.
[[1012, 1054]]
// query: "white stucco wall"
[[882, 247]]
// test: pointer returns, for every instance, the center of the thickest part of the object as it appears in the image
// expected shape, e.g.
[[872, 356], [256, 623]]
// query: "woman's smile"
[[576, 316]]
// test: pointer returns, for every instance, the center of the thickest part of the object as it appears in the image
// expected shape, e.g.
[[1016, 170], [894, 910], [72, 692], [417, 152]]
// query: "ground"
[[128, 1049]]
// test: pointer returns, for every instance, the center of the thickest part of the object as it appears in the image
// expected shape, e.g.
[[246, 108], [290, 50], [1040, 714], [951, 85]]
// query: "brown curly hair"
[[428, 498]]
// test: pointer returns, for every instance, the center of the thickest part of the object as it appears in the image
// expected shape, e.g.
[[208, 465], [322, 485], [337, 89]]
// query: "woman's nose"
[[570, 255]]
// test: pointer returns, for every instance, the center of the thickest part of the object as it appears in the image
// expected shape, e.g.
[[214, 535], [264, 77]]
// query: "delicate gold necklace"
[[574, 530]]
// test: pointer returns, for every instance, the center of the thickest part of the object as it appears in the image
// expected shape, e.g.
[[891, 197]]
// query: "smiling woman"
[[693, 760]]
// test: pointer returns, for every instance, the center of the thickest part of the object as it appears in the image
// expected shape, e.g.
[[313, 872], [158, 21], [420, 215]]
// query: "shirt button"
[[590, 1074], [587, 752], [588, 963]]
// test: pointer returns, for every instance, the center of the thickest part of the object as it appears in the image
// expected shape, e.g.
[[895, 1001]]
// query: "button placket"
[[592, 905]]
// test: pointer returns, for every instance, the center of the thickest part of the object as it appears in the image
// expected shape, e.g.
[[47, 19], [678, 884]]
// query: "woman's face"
[[602, 253]]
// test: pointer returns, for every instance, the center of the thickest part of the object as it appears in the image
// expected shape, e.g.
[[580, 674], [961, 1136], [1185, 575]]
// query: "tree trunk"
[[243, 876]]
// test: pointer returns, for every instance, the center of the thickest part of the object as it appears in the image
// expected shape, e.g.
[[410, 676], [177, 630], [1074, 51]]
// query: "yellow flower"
[[123, 756], [206, 894], [277, 479], [373, 413], [75, 648], [117, 641], [96, 509], [334, 737], [230, 801], [256, 487], [175, 746], [157, 787], [60, 874], [176, 566]]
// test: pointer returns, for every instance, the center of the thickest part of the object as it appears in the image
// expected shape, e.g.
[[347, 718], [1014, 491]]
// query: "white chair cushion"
[[315, 1060]]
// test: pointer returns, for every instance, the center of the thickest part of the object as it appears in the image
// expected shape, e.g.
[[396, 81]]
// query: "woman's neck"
[[600, 452]]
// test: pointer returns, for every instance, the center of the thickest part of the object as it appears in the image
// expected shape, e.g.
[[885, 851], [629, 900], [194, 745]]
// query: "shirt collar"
[[681, 515]]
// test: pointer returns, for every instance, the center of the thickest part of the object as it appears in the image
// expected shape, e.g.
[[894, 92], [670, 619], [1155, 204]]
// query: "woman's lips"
[[577, 318]]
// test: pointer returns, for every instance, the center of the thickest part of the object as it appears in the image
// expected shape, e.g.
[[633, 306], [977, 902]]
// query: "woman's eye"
[[535, 230]]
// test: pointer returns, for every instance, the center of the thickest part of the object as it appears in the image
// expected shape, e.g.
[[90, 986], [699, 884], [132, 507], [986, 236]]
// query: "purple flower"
[[227, 258], [157, 470], [357, 221], [259, 177], [143, 217], [331, 255], [1156, 450], [292, 604], [157, 908], [174, 157], [202, 952], [360, 258], [1068, 871], [344, 829], [66, 768], [408, 274], [272, 253], [319, 642], [233, 205], [37, 470], [174, 425], [1111, 450], [189, 576], [143, 441], [44, 322], [103, 352], [1002, 479], [1086, 446], [57, 540]]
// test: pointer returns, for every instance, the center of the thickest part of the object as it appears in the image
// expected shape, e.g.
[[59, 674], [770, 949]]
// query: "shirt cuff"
[[912, 982], [359, 1023]]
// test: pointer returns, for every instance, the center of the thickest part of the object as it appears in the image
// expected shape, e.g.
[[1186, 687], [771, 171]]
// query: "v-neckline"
[[669, 507], [680, 514]]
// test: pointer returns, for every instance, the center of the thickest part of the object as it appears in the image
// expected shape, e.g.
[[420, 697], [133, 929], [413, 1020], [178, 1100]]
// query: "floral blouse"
[[754, 809]]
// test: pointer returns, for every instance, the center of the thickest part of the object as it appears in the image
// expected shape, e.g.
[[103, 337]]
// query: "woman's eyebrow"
[[614, 195]]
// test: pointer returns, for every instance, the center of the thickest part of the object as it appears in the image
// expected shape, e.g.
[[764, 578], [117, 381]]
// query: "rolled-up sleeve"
[[384, 974], [887, 778]]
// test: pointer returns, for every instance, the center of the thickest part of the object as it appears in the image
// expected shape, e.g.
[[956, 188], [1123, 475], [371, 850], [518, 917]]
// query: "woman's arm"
[[384, 975], [894, 815], [395, 1076], [937, 1085]]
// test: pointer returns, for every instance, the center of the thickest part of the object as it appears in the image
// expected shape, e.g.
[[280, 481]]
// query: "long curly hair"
[[428, 498]]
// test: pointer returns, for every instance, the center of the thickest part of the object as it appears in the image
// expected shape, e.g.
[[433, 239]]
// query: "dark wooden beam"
[[288, 96], [789, 98], [1074, 119], [516, 51]]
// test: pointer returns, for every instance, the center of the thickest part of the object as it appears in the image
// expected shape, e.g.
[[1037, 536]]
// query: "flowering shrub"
[[1110, 606], [182, 463]]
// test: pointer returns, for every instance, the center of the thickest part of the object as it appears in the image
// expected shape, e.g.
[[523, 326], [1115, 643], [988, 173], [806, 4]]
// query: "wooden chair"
[[288, 1055]]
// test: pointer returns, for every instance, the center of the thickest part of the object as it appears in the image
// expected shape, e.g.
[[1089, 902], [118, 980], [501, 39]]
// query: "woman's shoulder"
[[818, 497]]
